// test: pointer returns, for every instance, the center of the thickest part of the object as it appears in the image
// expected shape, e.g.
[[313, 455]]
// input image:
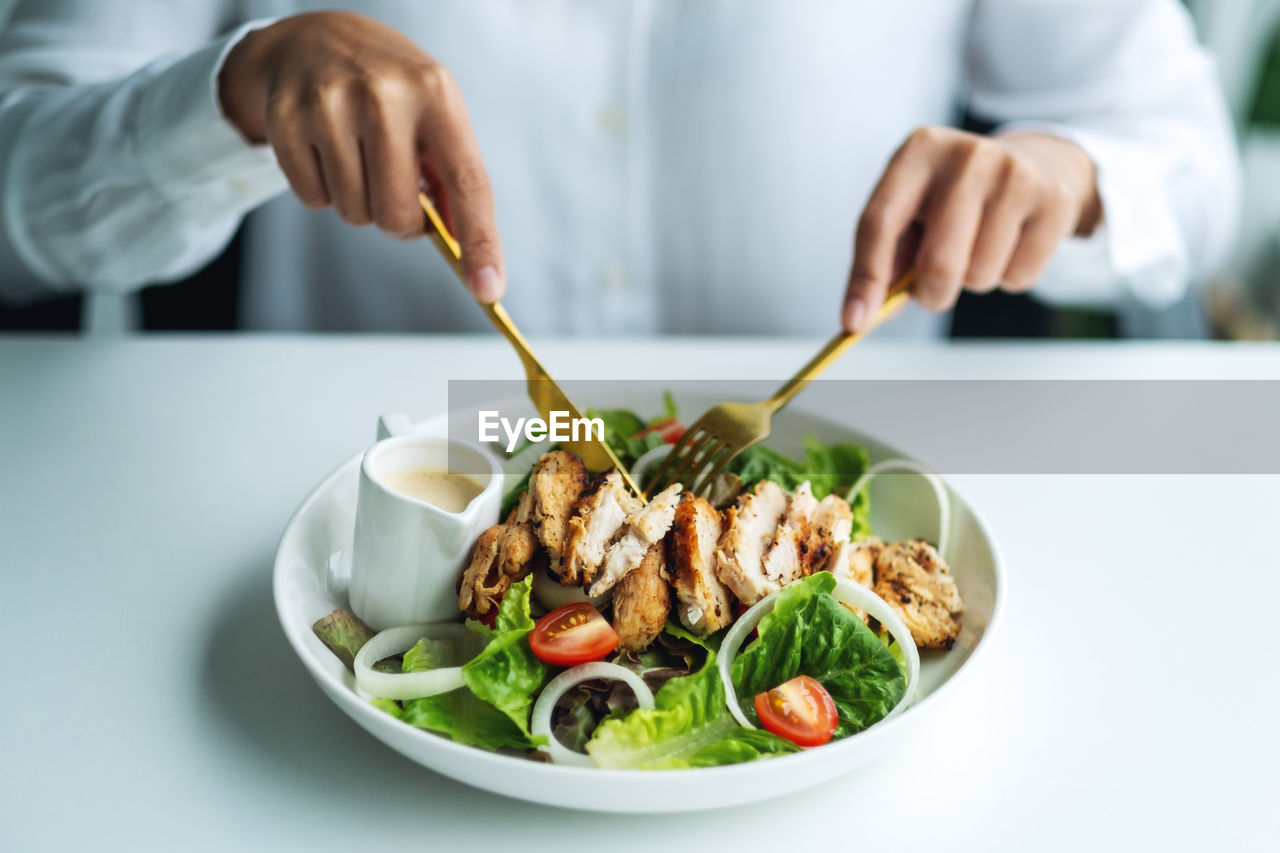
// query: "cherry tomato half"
[[800, 710], [573, 634], [671, 430]]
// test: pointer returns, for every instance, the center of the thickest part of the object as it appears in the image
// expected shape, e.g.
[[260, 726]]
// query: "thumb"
[[476, 228], [862, 297]]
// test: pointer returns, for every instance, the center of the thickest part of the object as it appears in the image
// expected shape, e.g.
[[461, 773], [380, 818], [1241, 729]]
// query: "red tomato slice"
[[573, 634], [800, 710], [671, 430]]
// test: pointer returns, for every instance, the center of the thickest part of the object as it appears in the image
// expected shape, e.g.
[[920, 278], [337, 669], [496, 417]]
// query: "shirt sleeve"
[[1126, 81], [117, 166]]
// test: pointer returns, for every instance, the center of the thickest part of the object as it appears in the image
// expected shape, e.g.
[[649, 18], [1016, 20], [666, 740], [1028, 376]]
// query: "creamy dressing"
[[449, 492]]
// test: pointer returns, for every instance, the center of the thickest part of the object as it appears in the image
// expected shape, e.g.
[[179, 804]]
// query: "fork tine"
[[692, 458], [696, 467], [711, 465], [668, 465]]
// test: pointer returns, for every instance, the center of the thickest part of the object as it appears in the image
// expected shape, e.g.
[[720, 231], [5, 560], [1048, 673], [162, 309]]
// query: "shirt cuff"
[[187, 147], [1138, 252]]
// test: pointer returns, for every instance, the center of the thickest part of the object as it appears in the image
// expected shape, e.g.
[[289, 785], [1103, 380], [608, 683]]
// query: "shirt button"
[[613, 276], [613, 118], [239, 186]]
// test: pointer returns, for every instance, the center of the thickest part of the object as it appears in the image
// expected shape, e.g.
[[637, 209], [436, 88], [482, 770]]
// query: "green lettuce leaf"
[[675, 629], [810, 633], [344, 633], [492, 710], [506, 674], [669, 410], [389, 706], [689, 726], [463, 717]]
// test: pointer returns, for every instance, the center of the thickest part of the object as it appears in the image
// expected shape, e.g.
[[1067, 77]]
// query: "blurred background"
[[1242, 302]]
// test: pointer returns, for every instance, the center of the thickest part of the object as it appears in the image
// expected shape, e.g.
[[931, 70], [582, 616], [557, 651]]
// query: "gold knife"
[[546, 395]]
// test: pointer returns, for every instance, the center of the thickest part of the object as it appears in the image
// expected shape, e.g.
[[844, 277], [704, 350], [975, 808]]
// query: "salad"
[[608, 631]]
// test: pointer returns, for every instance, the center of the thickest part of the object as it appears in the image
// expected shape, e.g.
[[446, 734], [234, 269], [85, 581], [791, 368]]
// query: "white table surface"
[[151, 701]]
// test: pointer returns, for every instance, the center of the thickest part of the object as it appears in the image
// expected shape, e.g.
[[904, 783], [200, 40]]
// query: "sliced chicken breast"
[[641, 531], [504, 554], [597, 521], [702, 601], [917, 584], [557, 481], [750, 526], [518, 541], [832, 522], [785, 559], [642, 601], [482, 583]]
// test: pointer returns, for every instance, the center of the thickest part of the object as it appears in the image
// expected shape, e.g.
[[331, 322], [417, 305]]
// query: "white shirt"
[[658, 166]]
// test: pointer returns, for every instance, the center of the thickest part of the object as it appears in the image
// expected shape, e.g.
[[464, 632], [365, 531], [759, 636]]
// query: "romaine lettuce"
[[689, 726], [810, 633], [492, 711], [344, 633], [506, 674]]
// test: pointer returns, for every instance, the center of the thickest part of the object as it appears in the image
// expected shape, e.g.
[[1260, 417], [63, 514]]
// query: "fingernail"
[[486, 284], [855, 312]]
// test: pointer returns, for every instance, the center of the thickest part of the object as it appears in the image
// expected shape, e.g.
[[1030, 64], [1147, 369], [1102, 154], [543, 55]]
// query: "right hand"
[[358, 115]]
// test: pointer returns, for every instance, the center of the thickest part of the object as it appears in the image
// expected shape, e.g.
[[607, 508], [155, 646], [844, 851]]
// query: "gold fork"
[[727, 429], [546, 395]]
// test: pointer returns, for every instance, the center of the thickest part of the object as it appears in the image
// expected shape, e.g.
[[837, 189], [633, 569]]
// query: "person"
[[614, 168]]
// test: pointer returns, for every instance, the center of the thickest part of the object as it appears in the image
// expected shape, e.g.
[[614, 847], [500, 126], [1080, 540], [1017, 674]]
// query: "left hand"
[[969, 212]]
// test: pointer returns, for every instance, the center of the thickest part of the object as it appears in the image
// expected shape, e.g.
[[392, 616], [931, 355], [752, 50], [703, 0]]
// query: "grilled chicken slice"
[[503, 554], [785, 560], [557, 480], [642, 530], [518, 541], [517, 547], [749, 529], [642, 601], [522, 512], [596, 522], [856, 561], [917, 584], [482, 584], [832, 522], [703, 604]]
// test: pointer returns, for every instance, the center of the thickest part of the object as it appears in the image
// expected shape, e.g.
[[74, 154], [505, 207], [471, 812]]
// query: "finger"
[[297, 158], [888, 215], [391, 166], [1040, 238], [454, 156], [337, 142], [1002, 222], [953, 215]]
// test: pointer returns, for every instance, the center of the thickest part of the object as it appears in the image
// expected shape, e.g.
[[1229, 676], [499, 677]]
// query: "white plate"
[[902, 507]]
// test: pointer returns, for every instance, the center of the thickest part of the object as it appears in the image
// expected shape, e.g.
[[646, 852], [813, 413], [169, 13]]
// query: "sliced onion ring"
[[647, 460], [939, 491], [558, 686], [406, 685], [738, 631], [846, 592]]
